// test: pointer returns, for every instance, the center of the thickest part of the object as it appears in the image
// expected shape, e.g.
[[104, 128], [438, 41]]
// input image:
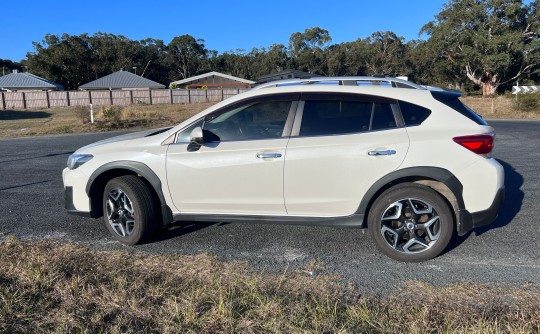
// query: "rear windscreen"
[[451, 100]]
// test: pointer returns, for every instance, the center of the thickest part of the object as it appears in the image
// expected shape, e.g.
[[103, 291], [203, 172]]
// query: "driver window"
[[258, 120]]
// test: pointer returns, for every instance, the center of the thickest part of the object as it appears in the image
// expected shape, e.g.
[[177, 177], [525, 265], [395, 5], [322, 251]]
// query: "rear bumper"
[[480, 218]]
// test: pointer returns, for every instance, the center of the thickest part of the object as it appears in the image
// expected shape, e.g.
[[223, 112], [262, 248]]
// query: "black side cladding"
[[451, 99]]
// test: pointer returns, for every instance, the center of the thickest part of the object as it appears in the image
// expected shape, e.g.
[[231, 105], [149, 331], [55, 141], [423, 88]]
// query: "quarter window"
[[331, 117], [413, 114]]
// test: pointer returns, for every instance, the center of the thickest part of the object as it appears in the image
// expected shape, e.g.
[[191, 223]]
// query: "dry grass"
[[17, 123], [52, 287], [500, 107]]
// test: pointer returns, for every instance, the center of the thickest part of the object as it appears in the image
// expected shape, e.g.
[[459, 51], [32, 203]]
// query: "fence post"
[[222, 94], [170, 92], [110, 97], [24, 100], [150, 95], [67, 98], [3, 101], [189, 96], [48, 100], [206, 95], [90, 97], [131, 96]]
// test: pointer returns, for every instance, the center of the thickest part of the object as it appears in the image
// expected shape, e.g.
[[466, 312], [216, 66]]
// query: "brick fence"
[[54, 99]]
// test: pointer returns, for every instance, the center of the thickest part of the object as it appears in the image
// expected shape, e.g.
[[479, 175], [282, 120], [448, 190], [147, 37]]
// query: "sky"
[[224, 25]]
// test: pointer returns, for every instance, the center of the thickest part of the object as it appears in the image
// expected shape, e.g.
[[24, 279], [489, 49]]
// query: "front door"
[[239, 169]]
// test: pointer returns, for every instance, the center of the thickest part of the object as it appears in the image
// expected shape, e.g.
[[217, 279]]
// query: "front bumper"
[[480, 218], [70, 207]]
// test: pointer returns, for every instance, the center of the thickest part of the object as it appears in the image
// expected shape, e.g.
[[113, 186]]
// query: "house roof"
[[121, 79], [213, 73], [287, 74], [25, 80]]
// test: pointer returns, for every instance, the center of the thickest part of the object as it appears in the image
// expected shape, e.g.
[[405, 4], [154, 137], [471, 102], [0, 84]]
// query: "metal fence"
[[55, 99]]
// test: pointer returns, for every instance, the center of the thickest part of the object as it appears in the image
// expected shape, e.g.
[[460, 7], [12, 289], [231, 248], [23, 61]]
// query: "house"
[[287, 74], [121, 80], [212, 80], [24, 81]]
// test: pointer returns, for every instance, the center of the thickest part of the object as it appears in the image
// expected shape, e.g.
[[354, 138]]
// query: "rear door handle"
[[268, 155], [386, 152]]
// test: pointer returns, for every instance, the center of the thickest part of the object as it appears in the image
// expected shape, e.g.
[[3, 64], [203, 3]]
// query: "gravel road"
[[505, 252]]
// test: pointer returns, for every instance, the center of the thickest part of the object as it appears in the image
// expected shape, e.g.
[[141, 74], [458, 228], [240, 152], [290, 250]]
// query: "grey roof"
[[121, 79], [287, 74], [209, 74], [25, 80]]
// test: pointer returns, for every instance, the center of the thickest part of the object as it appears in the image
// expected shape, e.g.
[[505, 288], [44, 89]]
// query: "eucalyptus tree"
[[489, 42]]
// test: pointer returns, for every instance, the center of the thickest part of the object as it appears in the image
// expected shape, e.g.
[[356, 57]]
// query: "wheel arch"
[[436, 178], [99, 178]]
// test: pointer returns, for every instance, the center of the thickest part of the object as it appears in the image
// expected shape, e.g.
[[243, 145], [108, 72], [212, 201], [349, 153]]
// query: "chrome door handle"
[[268, 155], [387, 152]]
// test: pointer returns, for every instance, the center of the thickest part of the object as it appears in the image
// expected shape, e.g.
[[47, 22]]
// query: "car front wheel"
[[129, 210], [411, 223]]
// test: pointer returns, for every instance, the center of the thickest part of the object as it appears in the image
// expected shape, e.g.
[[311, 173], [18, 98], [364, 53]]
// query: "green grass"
[[48, 286]]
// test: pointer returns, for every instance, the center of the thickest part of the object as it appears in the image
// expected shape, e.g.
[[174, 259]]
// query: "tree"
[[307, 49], [187, 56], [385, 54], [63, 59], [489, 42], [7, 66]]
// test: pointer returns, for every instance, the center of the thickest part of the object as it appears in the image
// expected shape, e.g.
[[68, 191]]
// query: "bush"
[[528, 102], [112, 113], [83, 113]]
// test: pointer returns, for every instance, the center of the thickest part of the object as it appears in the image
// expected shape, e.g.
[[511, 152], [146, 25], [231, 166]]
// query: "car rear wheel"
[[128, 210], [411, 223]]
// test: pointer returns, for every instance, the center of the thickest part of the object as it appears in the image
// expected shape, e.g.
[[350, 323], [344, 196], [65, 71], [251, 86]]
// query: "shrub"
[[83, 113], [112, 113], [528, 102]]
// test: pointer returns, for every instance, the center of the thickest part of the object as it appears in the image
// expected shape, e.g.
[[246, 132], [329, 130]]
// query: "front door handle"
[[268, 155], [386, 152]]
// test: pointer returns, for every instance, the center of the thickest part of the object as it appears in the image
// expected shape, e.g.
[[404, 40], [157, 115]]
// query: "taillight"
[[479, 144]]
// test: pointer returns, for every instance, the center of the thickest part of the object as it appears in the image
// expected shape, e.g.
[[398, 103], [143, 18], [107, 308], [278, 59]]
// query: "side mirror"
[[196, 136]]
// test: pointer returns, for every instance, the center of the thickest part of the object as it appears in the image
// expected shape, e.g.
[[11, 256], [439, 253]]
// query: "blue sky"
[[224, 25]]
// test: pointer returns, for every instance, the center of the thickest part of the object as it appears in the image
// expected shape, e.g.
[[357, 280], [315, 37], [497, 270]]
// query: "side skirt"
[[355, 220]]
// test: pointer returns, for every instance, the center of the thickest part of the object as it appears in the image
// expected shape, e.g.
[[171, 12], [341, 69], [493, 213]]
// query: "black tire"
[[402, 226], [133, 226]]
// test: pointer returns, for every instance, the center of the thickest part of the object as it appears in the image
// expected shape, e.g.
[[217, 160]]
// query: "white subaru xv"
[[410, 162]]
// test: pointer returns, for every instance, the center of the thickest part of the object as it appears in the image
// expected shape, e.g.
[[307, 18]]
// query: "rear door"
[[340, 145]]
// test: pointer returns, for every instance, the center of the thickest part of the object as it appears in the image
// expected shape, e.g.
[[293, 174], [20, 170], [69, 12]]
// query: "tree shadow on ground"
[[509, 208], [6, 115]]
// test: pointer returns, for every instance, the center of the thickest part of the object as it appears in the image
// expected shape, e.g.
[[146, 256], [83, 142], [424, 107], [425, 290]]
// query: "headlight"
[[76, 160]]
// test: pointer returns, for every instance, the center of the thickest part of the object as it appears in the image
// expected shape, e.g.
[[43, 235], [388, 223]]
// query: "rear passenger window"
[[334, 117], [413, 114]]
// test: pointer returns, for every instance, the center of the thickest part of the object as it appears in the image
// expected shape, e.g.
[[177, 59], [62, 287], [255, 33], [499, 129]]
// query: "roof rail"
[[346, 81]]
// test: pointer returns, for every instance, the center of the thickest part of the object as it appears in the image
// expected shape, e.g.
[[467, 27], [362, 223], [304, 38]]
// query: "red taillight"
[[479, 144]]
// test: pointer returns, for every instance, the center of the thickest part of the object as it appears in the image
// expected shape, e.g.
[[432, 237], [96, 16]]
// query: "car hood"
[[128, 136]]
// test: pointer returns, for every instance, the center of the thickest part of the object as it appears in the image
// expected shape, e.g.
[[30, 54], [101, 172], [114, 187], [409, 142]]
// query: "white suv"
[[412, 163]]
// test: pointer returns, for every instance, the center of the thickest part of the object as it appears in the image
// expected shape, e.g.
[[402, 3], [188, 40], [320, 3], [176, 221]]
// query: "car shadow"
[[19, 114], [177, 229], [509, 208]]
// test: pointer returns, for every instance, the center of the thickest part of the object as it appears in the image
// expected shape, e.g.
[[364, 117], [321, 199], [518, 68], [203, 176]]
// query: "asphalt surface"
[[506, 252]]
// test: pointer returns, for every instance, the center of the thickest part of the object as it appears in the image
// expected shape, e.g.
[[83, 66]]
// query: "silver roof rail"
[[346, 81]]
